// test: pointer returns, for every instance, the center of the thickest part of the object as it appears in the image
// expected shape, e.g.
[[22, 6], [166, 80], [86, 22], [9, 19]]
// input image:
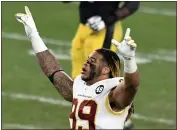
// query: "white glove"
[[31, 30], [127, 47], [28, 22], [96, 23]]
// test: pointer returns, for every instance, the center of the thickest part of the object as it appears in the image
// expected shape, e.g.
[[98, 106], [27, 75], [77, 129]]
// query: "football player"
[[101, 98]]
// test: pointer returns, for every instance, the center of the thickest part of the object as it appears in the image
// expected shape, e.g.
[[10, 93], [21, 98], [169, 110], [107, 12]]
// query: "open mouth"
[[83, 70]]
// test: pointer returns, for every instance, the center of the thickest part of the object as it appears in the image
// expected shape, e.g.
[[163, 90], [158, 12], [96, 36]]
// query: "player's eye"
[[92, 61]]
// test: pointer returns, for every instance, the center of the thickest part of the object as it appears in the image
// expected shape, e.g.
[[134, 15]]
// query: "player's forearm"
[[131, 73], [51, 68], [128, 9], [47, 62], [131, 82]]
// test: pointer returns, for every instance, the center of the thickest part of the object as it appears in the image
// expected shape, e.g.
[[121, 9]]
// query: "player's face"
[[92, 67]]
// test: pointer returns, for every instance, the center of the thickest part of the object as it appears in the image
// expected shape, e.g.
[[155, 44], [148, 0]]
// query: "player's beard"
[[92, 74]]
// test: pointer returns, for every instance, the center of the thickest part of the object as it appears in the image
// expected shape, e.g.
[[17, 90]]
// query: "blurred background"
[[29, 99]]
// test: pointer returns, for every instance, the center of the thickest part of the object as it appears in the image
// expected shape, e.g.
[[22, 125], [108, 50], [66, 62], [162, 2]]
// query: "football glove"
[[127, 47], [28, 22], [96, 23]]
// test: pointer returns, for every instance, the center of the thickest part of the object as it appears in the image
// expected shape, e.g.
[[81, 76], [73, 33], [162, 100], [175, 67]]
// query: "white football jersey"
[[91, 108]]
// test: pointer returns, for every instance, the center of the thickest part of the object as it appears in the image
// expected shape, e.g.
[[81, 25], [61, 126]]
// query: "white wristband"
[[130, 65], [37, 43]]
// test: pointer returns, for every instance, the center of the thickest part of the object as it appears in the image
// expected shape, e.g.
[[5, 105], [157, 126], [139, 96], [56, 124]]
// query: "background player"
[[100, 68], [99, 23]]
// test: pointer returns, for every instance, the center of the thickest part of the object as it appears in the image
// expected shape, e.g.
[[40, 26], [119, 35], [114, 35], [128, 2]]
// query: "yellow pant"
[[86, 41]]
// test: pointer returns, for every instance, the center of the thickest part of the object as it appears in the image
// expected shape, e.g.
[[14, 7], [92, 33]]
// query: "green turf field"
[[26, 91]]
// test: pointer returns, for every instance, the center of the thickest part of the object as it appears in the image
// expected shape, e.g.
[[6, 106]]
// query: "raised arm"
[[49, 65], [52, 69], [124, 93]]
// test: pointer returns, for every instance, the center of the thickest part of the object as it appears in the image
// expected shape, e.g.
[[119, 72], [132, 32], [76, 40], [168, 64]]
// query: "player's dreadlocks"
[[112, 60]]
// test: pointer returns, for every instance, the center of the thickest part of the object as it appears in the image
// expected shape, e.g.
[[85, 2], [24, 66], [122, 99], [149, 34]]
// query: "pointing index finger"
[[27, 11], [127, 33]]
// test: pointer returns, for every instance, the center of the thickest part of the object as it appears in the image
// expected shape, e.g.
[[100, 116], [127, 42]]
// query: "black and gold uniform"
[[87, 40]]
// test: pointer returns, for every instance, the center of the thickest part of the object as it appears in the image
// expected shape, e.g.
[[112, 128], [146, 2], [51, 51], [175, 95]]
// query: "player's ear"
[[105, 70]]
